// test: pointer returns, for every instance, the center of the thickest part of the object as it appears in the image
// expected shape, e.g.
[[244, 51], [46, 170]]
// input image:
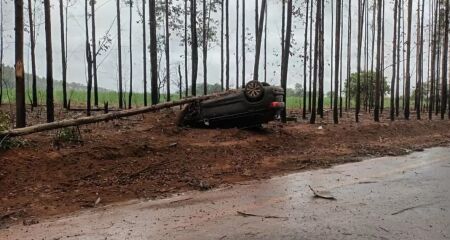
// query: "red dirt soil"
[[148, 157]]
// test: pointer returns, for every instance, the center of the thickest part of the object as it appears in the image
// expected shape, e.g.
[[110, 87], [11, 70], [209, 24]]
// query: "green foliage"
[[6, 142], [67, 135], [4, 121], [368, 80]]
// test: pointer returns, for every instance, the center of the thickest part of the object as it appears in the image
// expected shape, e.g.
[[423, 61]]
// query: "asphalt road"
[[385, 198]]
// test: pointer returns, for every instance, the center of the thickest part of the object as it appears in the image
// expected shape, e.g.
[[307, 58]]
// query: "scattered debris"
[[97, 201], [320, 128], [322, 195], [29, 222], [243, 214], [368, 182], [411, 208], [181, 200]]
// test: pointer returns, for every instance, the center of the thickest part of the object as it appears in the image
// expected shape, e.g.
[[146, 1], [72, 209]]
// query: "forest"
[[99, 102], [383, 78]]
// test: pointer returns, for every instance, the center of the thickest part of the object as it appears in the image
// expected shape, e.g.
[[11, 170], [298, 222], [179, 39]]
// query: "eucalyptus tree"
[[336, 59], [88, 59], [130, 40], [305, 59], [408, 61], [20, 81], [286, 54], [445, 61], [378, 63], [94, 51], [316, 62], [154, 52], [49, 62], [31, 22], [1, 52], [119, 54], [394, 61]]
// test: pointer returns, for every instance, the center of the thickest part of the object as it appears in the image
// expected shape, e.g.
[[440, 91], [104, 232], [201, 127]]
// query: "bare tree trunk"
[[130, 40], [433, 64], [167, 49], [359, 53], [310, 56], [154, 53], [222, 64], [205, 50], [180, 82], [331, 54], [33, 55], [20, 73], [256, 17], [243, 44], [49, 62], [88, 59], [320, 103], [394, 61], [382, 91], [408, 62], [283, 23], [285, 62], [444, 62], [186, 78], [227, 45], [348, 98], [94, 52], [316, 62], [397, 84], [237, 44], [336, 60], [378, 65], [144, 51], [305, 59], [63, 50], [258, 40], [119, 47], [265, 46], [1, 52]]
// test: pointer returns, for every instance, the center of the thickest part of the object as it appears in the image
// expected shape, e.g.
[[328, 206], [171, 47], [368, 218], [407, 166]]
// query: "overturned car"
[[258, 103]]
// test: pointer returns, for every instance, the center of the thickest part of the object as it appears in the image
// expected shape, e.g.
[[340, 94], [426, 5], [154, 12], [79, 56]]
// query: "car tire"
[[254, 91]]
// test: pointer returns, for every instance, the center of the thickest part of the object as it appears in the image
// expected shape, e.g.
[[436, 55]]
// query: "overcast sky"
[[107, 69]]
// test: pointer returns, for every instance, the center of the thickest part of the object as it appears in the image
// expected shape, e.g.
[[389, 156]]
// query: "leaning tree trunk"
[[194, 46], [49, 61], [153, 52], [20, 73], [34, 101], [119, 48]]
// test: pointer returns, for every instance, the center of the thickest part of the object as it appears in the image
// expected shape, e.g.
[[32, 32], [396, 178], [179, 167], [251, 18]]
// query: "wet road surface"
[[386, 198]]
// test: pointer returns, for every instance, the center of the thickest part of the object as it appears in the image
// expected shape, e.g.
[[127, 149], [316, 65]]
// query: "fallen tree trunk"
[[104, 117]]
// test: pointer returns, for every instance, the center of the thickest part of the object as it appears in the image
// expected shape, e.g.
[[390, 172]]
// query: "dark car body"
[[237, 109]]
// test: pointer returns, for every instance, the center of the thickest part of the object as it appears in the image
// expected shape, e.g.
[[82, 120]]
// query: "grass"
[[78, 98]]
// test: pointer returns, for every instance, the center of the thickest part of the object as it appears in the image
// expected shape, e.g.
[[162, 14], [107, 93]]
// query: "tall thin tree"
[[144, 51], [205, 50], [154, 52], [336, 60], [94, 52], [88, 59], [408, 61], [316, 62], [167, 50], [49, 61], [394, 62], [222, 64], [305, 59], [237, 44], [119, 55], [34, 100], [130, 40], [227, 45], [20, 73], [1, 52], [285, 62], [259, 40], [243, 43], [378, 63], [63, 52], [186, 78], [445, 61]]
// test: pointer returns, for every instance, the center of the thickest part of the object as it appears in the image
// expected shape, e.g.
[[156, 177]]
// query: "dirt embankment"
[[149, 157]]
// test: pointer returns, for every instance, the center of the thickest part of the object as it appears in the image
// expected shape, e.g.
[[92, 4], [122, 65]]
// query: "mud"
[[148, 157]]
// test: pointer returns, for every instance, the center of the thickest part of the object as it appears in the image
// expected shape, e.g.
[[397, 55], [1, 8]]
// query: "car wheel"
[[254, 90]]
